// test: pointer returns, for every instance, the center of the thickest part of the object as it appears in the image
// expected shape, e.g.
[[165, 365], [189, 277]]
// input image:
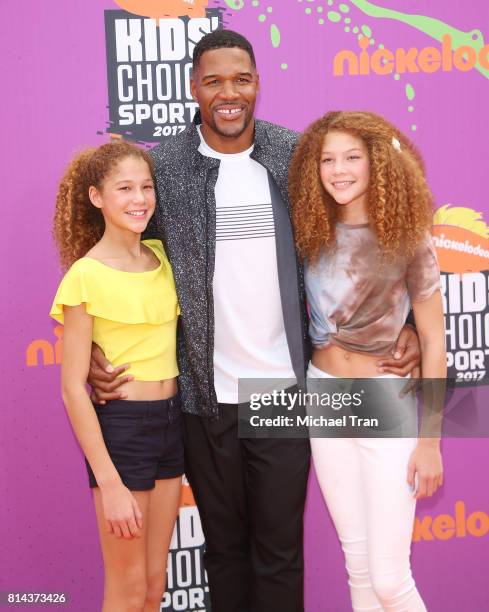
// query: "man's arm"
[[104, 378], [407, 355]]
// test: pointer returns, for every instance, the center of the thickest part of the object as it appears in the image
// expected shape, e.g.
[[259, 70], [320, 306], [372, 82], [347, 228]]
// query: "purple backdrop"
[[55, 99]]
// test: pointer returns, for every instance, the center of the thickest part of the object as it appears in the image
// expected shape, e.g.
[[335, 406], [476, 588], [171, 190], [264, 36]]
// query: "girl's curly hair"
[[400, 204], [78, 225]]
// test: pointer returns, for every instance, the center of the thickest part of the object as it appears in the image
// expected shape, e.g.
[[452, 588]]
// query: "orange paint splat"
[[364, 42], [164, 8]]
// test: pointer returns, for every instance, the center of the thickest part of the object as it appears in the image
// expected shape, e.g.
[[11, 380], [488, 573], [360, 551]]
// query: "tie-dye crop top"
[[360, 303]]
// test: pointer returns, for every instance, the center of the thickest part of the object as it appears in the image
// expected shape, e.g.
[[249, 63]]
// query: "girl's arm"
[[425, 462], [120, 507]]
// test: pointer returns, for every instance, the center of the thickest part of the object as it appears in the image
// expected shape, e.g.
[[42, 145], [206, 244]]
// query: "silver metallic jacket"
[[186, 222]]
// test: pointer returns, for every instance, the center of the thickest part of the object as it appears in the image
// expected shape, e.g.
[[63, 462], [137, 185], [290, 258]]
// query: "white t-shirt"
[[249, 339]]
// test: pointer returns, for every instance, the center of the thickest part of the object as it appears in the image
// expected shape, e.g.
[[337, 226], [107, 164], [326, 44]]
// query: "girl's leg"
[[389, 507], [125, 586], [337, 465], [164, 502]]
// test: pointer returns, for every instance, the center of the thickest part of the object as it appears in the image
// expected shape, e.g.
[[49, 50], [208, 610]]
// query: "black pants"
[[250, 494]]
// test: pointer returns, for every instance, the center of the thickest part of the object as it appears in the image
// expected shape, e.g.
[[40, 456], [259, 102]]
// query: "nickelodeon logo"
[[461, 238], [447, 526], [169, 8], [43, 352], [428, 59]]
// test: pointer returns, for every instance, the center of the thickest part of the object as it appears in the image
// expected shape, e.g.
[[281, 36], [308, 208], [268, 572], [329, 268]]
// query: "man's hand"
[[407, 355], [103, 378]]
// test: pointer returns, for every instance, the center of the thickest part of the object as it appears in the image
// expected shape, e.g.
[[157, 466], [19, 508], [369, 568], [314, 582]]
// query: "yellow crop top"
[[135, 313]]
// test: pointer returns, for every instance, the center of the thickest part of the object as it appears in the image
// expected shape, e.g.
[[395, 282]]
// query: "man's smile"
[[229, 112]]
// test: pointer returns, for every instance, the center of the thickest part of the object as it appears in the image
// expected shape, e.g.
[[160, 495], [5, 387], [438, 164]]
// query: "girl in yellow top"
[[119, 292]]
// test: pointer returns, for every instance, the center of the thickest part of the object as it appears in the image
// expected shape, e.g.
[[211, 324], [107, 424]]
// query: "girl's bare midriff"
[[338, 361], [148, 390]]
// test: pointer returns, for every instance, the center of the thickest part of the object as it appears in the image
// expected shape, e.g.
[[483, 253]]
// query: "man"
[[223, 214]]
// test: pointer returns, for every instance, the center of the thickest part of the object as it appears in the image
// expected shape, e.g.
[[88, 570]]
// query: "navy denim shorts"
[[144, 440]]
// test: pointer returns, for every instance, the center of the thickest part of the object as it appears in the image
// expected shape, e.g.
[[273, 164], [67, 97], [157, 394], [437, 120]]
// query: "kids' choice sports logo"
[[461, 238], [428, 59], [149, 63]]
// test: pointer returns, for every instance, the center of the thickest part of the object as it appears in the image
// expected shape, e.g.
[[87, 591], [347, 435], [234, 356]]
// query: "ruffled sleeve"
[[72, 291], [115, 295], [423, 272]]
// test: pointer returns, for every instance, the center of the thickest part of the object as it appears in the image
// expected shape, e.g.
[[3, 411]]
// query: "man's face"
[[225, 85]]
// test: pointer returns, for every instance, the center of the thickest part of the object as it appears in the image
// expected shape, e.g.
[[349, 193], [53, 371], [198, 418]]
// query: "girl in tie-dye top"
[[362, 213]]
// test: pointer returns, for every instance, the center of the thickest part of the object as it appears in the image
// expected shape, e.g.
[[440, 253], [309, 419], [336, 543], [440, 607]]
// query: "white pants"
[[363, 481]]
